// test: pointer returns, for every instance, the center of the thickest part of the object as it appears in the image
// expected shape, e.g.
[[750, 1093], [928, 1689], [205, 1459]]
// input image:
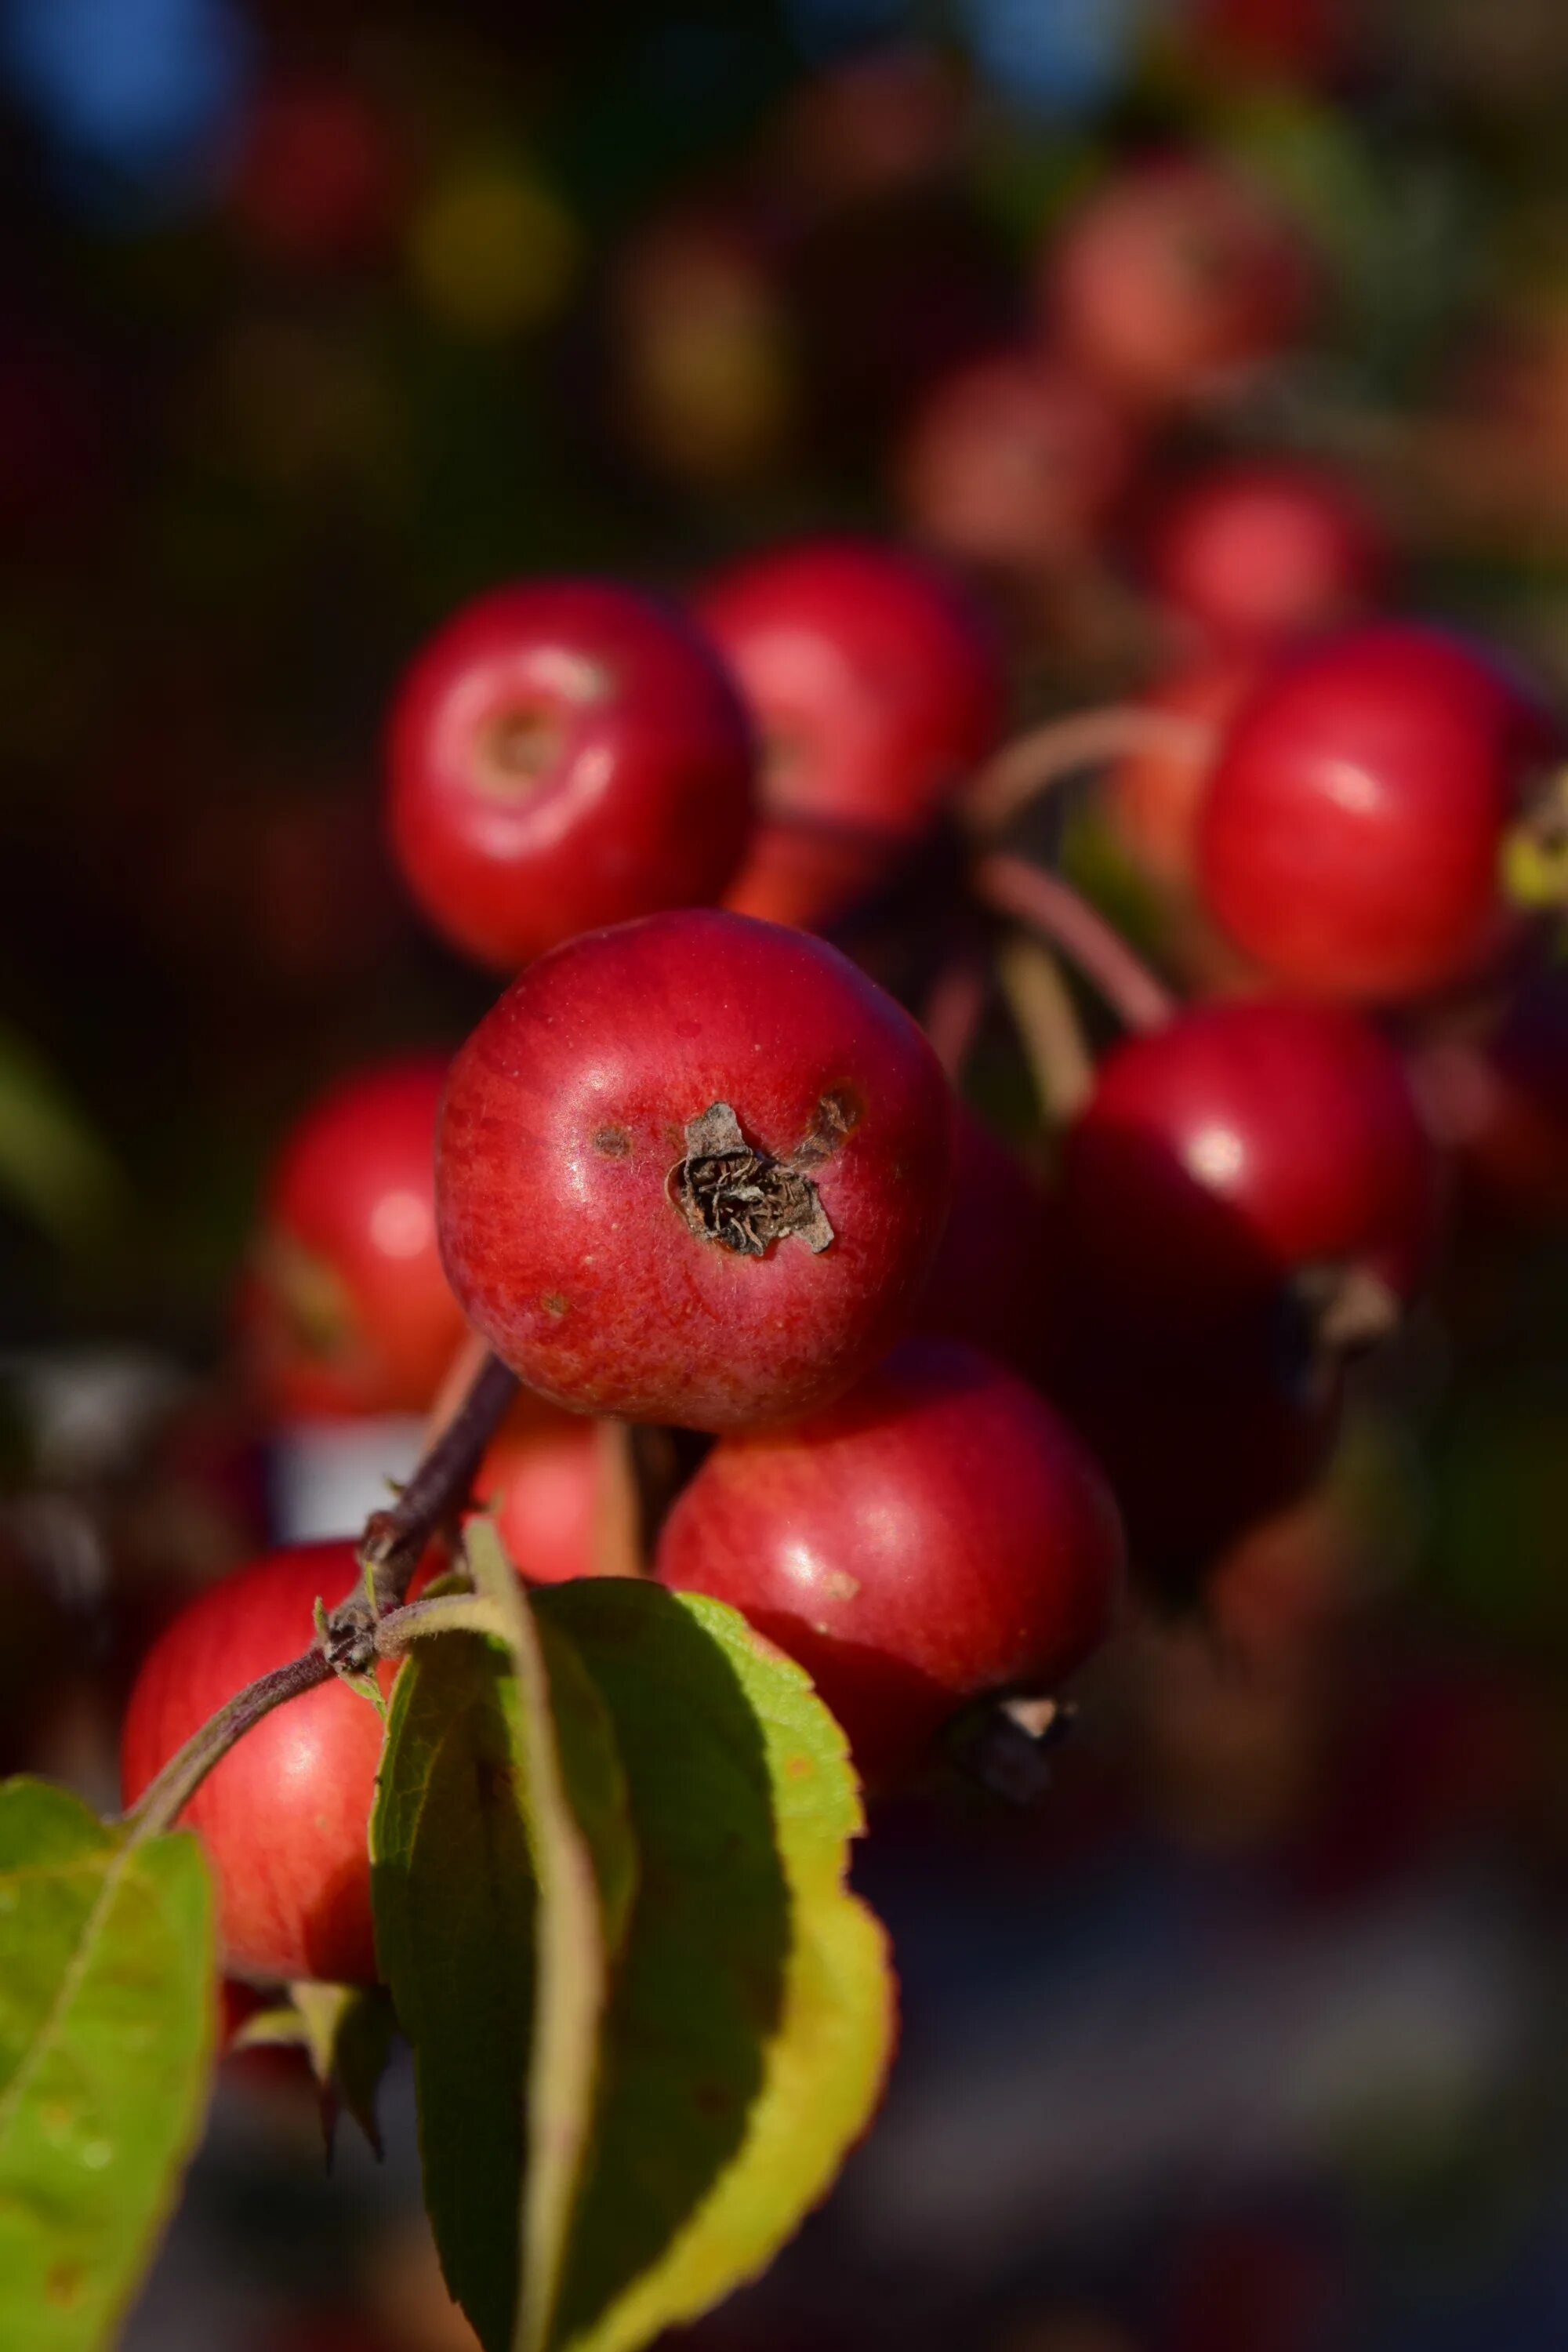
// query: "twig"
[[353, 1647], [954, 1010], [1054, 909], [394, 1541], [468, 1360], [1047, 1024], [617, 1544], [163, 1798], [1047, 756], [363, 1627]]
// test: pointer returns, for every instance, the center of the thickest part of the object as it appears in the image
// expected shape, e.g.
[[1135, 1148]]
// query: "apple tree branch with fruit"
[[556, 1770]]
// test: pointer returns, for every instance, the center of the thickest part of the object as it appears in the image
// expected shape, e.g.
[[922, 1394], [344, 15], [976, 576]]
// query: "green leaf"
[[496, 1901], [454, 1897], [107, 2024], [281, 2027], [753, 2015], [347, 2033], [584, 1864]]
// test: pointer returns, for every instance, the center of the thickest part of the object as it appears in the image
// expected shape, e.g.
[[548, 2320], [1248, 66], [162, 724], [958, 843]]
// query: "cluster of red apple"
[[1164, 286], [697, 1168]]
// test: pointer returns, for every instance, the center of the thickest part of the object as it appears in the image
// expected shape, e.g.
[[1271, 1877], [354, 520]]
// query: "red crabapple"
[[284, 1817], [344, 1308], [1261, 551], [692, 1169], [1175, 275], [1016, 462], [937, 1534], [1352, 831], [1245, 1144], [551, 1480], [562, 754], [875, 686]]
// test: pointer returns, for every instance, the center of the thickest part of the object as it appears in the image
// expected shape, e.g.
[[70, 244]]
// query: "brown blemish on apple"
[[838, 1112]]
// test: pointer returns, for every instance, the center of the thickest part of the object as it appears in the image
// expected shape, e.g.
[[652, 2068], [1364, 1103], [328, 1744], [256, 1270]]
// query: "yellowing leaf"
[[346, 2031], [753, 2015], [648, 2017]]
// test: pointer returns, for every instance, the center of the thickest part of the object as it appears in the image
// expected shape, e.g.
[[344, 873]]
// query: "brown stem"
[[1047, 756], [163, 1798], [468, 1360], [1054, 909], [394, 1541], [352, 1647], [1049, 1030], [616, 1543], [954, 1011], [360, 1629]]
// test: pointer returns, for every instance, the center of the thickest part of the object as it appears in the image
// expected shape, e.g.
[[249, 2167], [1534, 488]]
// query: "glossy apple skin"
[[345, 1308], [565, 1117], [1016, 462], [1244, 1143], [874, 683], [1252, 554], [939, 1533], [1351, 834], [1155, 796], [284, 1817], [1175, 276], [563, 754]]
